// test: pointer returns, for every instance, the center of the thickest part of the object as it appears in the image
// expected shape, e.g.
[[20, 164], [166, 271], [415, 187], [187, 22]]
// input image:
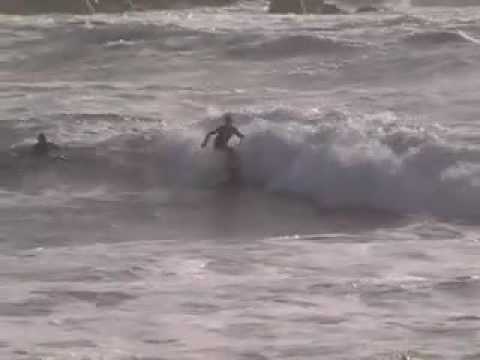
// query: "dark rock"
[[286, 6], [330, 9], [303, 7], [26, 7], [365, 9]]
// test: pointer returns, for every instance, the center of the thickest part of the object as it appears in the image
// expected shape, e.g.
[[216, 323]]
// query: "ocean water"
[[355, 233]]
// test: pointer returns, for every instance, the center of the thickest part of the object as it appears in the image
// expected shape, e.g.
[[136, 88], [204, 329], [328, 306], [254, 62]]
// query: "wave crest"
[[435, 38], [292, 46]]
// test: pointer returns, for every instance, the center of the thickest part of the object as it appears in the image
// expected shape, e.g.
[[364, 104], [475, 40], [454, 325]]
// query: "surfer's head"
[[41, 138], [228, 119]]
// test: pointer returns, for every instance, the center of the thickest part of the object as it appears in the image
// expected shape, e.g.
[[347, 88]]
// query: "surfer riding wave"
[[223, 134]]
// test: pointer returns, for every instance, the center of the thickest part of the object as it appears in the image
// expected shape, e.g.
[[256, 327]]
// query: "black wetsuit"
[[44, 148], [224, 134]]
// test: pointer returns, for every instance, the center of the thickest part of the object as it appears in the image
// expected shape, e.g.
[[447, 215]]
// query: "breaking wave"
[[337, 160]]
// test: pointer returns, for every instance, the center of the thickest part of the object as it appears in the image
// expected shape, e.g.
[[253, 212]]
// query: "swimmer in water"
[[43, 147]]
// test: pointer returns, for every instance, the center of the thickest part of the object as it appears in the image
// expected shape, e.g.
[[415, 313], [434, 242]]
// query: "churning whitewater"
[[353, 234]]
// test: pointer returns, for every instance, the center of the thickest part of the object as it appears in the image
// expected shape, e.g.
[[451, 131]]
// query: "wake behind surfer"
[[223, 134]]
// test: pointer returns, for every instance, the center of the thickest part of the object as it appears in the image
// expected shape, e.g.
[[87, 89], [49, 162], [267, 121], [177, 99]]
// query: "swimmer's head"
[[41, 138]]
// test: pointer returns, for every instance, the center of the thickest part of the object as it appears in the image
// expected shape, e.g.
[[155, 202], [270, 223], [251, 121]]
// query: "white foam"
[[370, 161]]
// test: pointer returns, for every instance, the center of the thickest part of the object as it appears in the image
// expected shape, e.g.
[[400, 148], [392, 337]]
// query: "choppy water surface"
[[354, 235]]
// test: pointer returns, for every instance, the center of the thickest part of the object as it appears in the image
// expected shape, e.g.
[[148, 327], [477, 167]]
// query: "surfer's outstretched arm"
[[207, 137]]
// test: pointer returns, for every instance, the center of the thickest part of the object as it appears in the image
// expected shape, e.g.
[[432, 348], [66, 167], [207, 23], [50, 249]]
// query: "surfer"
[[223, 135], [43, 147]]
